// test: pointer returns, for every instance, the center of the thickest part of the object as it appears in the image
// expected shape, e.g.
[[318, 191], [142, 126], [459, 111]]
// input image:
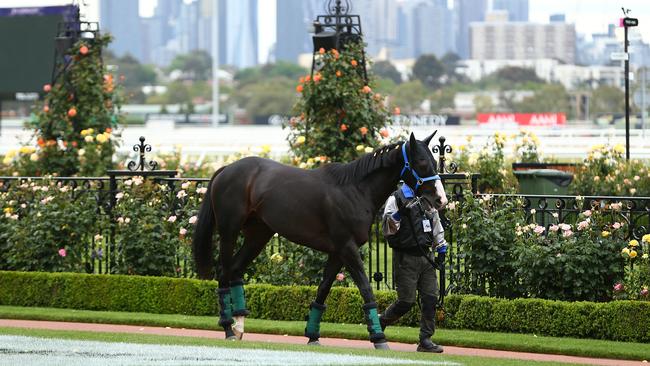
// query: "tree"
[[133, 75], [284, 69], [450, 62], [386, 70], [197, 65], [517, 75], [409, 96], [550, 98], [607, 99], [270, 96], [73, 129], [338, 115], [483, 104], [428, 70]]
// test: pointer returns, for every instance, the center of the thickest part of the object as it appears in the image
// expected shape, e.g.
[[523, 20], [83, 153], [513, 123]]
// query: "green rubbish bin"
[[549, 182]]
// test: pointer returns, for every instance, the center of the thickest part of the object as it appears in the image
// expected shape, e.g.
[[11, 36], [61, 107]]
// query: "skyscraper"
[[517, 9], [122, 19], [379, 23], [293, 19], [432, 29], [467, 11], [241, 37]]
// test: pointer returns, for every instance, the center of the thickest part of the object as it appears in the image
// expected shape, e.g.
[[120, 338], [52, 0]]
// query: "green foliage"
[[516, 74], [280, 69], [526, 143], [266, 97], [197, 65], [409, 95], [607, 99], [83, 98], [618, 320], [386, 70], [636, 281], [484, 233], [154, 226], [428, 70], [338, 114], [44, 227], [606, 172], [570, 262], [549, 98]]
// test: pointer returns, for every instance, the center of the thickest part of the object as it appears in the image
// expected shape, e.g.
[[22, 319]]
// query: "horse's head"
[[420, 171]]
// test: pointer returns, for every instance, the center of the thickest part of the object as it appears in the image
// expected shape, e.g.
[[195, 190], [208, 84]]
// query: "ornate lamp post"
[[335, 29]]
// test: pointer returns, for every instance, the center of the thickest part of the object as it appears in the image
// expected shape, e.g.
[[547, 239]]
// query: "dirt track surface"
[[334, 342]]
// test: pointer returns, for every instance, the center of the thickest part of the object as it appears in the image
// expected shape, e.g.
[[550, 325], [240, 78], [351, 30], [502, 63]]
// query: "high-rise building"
[[467, 11], [432, 29], [517, 9], [293, 19], [122, 19], [379, 23], [501, 40], [241, 36]]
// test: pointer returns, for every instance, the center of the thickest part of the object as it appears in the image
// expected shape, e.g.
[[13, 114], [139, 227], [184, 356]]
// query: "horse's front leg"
[[316, 309], [354, 264]]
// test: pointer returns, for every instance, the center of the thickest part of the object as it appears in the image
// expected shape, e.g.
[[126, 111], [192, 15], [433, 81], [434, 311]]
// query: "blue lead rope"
[[407, 166]]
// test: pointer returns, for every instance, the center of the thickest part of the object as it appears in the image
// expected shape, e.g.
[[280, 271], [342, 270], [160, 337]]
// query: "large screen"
[[27, 47]]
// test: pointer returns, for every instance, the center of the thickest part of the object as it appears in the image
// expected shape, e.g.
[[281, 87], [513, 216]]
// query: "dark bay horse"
[[329, 209]]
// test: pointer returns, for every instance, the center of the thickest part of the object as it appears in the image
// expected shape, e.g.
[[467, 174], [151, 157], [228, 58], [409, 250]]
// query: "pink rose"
[[618, 287], [340, 277], [62, 252]]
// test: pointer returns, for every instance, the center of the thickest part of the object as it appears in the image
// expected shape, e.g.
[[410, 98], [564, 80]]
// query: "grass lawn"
[[190, 341], [450, 337]]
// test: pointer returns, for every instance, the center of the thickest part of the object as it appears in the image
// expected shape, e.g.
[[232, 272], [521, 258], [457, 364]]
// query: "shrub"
[[617, 320]]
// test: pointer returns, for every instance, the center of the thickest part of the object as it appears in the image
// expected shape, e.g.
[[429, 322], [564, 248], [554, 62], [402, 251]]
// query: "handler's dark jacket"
[[405, 230]]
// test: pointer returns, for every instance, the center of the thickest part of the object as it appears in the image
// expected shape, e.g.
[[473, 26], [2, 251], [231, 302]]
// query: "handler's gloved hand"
[[396, 216]]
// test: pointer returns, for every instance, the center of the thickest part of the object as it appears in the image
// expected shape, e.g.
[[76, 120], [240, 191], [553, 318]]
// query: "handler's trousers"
[[414, 273]]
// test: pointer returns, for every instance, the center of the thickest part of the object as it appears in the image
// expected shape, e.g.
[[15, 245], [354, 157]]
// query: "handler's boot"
[[426, 345], [239, 311], [312, 331]]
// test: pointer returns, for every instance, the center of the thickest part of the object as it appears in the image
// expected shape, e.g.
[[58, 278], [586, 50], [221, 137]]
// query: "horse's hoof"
[[238, 327], [382, 345], [313, 343]]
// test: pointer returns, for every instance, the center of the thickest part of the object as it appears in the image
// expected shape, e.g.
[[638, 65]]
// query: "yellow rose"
[[632, 253], [101, 138], [300, 140], [88, 138], [646, 238], [619, 148], [604, 234], [33, 157], [634, 243], [360, 147], [369, 149], [625, 251]]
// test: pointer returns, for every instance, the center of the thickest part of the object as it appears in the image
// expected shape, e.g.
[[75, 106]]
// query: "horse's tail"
[[202, 247]]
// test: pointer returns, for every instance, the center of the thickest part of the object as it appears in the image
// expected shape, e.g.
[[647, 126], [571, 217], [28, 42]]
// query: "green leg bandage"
[[225, 304], [238, 299], [312, 331], [372, 319]]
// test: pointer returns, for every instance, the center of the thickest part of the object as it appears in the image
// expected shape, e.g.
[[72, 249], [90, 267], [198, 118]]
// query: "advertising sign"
[[521, 119]]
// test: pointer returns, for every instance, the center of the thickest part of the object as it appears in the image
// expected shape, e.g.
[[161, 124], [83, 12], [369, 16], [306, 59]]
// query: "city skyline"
[[589, 16]]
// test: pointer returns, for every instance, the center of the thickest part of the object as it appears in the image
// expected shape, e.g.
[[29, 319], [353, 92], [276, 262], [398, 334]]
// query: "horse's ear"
[[413, 143], [427, 141]]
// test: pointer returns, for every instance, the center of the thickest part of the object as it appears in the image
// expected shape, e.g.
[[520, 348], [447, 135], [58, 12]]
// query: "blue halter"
[[418, 181]]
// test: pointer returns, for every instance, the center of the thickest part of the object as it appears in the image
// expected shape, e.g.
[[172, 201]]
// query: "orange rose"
[[366, 89], [383, 132], [47, 88], [109, 130], [353, 63], [318, 77], [343, 127], [321, 51], [396, 111], [307, 78], [299, 88], [301, 80], [363, 130], [72, 112], [46, 108], [339, 73], [40, 142], [83, 50], [377, 96], [74, 143]]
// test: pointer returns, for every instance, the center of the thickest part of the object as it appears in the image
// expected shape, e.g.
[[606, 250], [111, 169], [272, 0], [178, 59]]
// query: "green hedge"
[[617, 320]]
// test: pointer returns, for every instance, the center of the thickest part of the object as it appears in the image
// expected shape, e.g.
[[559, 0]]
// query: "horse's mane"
[[355, 171]]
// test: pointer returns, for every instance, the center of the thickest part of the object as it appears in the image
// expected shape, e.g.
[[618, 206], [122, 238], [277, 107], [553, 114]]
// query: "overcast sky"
[[589, 16]]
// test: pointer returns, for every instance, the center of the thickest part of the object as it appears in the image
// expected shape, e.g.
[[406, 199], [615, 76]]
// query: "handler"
[[413, 229]]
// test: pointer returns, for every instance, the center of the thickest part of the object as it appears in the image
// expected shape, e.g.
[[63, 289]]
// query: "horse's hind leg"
[[354, 264], [316, 309], [256, 235]]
